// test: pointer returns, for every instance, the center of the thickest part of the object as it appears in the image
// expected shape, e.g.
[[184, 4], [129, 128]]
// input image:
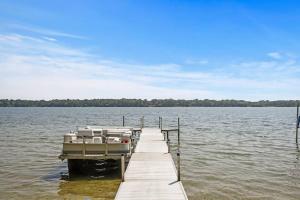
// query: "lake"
[[227, 153]]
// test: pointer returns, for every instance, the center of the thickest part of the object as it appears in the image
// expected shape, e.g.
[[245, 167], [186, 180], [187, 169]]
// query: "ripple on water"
[[227, 153]]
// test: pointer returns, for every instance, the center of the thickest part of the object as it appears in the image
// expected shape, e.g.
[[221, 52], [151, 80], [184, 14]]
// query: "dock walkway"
[[151, 172]]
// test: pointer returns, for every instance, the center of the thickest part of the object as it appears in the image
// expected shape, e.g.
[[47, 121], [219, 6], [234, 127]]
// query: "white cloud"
[[275, 55], [196, 62], [46, 31], [80, 88], [49, 39], [32, 68], [36, 68]]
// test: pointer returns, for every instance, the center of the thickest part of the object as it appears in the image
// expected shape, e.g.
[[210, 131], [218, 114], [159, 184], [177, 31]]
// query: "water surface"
[[227, 153]]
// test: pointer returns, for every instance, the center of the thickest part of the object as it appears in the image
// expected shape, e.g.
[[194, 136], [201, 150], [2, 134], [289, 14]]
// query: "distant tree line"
[[144, 103]]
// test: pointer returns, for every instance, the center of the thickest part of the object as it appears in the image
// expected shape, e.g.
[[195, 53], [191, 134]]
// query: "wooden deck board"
[[151, 173]]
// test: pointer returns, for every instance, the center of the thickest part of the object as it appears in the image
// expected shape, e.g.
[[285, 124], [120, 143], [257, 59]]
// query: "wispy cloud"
[[49, 39], [46, 32], [196, 61], [275, 55], [279, 70], [37, 68]]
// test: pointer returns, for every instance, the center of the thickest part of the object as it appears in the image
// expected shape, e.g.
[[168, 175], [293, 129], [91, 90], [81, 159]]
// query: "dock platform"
[[151, 172]]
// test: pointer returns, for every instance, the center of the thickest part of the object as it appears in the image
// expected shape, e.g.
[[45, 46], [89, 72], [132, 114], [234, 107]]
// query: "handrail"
[[166, 138], [176, 129]]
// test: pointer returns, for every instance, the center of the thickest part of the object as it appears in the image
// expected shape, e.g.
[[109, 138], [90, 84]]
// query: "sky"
[[150, 49]]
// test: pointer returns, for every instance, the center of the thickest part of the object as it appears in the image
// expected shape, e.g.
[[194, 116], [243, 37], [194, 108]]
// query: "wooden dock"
[[151, 172]]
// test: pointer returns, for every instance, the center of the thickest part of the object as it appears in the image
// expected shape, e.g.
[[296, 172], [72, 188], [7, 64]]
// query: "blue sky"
[[150, 49]]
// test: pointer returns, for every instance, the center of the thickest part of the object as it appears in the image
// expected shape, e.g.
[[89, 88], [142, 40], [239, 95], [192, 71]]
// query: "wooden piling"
[[123, 120]]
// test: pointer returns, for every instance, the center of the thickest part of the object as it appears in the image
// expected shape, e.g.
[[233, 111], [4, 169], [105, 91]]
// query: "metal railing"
[[167, 139], [297, 123]]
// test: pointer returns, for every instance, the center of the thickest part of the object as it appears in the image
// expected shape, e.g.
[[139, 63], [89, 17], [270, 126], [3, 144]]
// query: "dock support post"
[[123, 120], [168, 136], [142, 122], [168, 142], [178, 166], [178, 150], [83, 146], [159, 122], [297, 123], [122, 166], [178, 135], [106, 148]]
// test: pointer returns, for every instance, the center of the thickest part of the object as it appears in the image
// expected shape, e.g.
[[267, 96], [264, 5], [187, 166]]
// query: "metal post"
[[106, 147], [297, 123], [168, 141], [178, 166], [122, 166], [158, 122], [178, 135], [161, 124], [83, 146], [123, 120], [178, 150], [167, 135], [142, 122]]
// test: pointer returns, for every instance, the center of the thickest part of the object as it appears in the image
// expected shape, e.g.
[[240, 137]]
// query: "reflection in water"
[[78, 186], [59, 172], [92, 186], [88, 189]]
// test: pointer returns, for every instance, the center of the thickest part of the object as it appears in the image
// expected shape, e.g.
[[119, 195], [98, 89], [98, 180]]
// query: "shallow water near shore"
[[227, 153]]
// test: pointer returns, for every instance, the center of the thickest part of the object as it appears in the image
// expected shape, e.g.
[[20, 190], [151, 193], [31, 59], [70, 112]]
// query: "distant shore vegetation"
[[144, 103]]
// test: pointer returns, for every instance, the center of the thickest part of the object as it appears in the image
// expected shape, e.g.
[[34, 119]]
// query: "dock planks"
[[151, 172]]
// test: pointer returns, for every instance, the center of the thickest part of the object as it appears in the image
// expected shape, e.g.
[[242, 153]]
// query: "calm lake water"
[[227, 153]]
